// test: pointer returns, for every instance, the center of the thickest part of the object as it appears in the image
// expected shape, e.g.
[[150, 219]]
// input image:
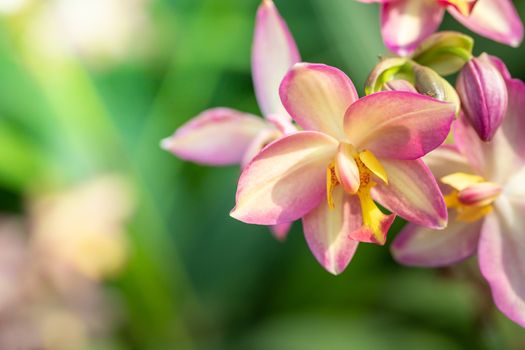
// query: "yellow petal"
[[460, 181], [473, 214], [373, 164], [373, 218]]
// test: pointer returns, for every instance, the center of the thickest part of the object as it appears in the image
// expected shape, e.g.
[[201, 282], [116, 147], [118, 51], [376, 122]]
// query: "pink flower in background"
[[83, 228], [351, 150], [52, 263], [484, 183], [406, 23], [223, 136]]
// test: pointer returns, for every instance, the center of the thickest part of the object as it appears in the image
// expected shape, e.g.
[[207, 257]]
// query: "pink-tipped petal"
[[346, 168], [514, 188], [263, 138], [502, 261], [317, 96], [282, 122], [398, 124], [280, 231], [366, 235], [470, 145], [273, 53], [327, 231], [421, 246], [494, 19], [499, 159], [446, 160], [286, 180], [513, 126], [406, 23], [412, 193], [218, 136]]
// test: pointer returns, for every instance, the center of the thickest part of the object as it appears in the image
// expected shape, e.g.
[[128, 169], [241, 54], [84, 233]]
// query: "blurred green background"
[[73, 108]]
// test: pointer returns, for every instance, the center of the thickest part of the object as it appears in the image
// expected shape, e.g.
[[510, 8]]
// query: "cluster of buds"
[[450, 161]]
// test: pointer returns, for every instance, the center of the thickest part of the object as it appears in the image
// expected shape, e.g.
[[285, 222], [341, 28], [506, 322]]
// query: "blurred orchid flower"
[[223, 136], [51, 265], [67, 27], [484, 183], [351, 150], [83, 227], [483, 94], [406, 23]]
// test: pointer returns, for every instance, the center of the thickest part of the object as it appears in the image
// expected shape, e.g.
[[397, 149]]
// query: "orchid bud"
[[428, 82], [445, 52], [399, 85], [483, 95], [386, 70]]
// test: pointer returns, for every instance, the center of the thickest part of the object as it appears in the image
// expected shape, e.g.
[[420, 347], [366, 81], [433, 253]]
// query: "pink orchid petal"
[[514, 188], [412, 193], [502, 261], [346, 167], [398, 124], [472, 147], [513, 125], [317, 96], [446, 160], [286, 180], [218, 136], [273, 53], [280, 231], [282, 122], [327, 231], [494, 19], [263, 138], [406, 23], [505, 154], [421, 246], [366, 235]]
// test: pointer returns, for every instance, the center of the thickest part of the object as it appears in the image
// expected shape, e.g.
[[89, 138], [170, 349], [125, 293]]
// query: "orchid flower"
[[351, 151], [223, 136], [406, 23], [484, 183]]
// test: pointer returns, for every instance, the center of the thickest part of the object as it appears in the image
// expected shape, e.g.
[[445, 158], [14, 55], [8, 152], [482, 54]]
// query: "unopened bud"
[[483, 95], [386, 70], [428, 82], [445, 52]]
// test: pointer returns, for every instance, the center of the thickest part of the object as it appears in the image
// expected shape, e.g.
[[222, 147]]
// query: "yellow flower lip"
[[355, 171], [472, 196]]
